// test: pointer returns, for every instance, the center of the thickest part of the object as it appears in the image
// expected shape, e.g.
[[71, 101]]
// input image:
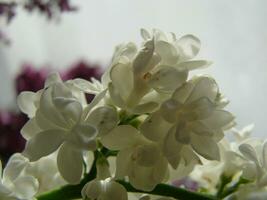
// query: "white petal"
[[69, 108], [104, 119], [264, 154], [26, 187], [5, 193], [218, 119], [182, 134], [172, 148], [200, 109], [187, 163], [148, 155], [70, 163], [263, 181], [123, 52], [14, 167], [167, 52], [188, 46], [115, 96], [249, 152], [168, 110], [52, 79], [48, 109], [154, 127], [145, 108], [121, 76], [30, 129], [92, 189], [83, 136], [204, 87], [97, 99], [61, 90], [206, 147], [86, 86], [145, 34], [45, 123], [159, 35], [146, 178], [192, 65], [114, 190], [123, 163], [43, 144], [200, 128], [182, 93], [121, 137], [102, 168], [26, 103], [167, 79], [143, 58], [160, 169], [250, 171]]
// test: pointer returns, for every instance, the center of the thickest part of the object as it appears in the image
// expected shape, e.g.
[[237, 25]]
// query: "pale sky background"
[[233, 35]]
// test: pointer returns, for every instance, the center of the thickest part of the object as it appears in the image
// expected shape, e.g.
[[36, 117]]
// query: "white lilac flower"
[[243, 134], [128, 84], [209, 173], [103, 187], [28, 101], [255, 151], [39, 169], [196, 122], [254, 170], [104, 190], [230, 165], [63, 121], [140, 79], [139, 158], [14, 184], [175, 59], [59, 119]]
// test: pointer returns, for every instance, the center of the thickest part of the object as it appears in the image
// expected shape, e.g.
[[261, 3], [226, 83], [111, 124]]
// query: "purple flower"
[[85, 71], [82, 70], [30, 79], [7, 10], [11, 140], [49, 8]]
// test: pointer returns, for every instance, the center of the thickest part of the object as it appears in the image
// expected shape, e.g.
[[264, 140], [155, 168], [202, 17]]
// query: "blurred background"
[[233, 35]]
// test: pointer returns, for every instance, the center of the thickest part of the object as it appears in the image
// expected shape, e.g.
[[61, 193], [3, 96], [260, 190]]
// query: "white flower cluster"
[[159, 124]]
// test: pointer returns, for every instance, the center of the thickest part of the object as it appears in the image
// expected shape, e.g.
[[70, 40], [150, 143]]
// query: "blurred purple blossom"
[[49, 8], [7, 10], [11, 140], [83, 70], [30, 78]]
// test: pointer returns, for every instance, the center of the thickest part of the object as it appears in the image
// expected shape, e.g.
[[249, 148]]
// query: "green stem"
[[224, 180], [233, 188], [169, 191], [74, 192]]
